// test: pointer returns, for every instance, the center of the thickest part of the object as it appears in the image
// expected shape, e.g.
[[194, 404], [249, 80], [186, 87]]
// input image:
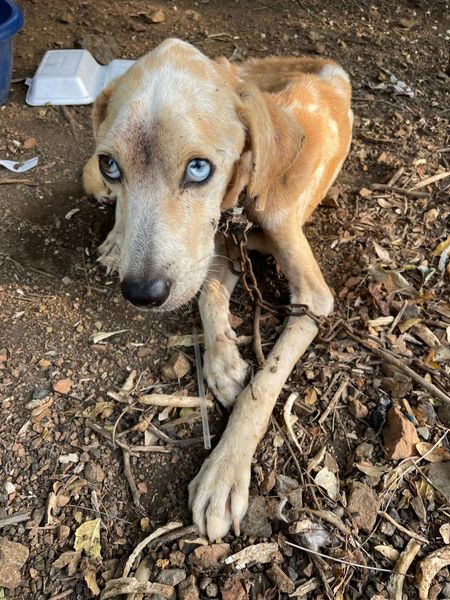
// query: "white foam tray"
[[71, 77]]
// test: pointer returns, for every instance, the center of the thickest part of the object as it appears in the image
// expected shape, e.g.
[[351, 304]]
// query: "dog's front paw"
[[225, 371], [109, 251], [218, 495]]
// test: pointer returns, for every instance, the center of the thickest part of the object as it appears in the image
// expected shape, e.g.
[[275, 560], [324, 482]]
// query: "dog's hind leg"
[[224, 369]]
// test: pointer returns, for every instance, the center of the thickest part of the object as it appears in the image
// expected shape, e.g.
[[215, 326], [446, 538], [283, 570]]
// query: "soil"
[[54, 296]]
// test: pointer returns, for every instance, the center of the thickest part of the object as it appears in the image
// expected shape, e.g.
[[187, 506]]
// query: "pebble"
[[63, 386], [177, 367], [40, 393], [255, 523], [357, 408], [171, 576], [210, 557], [364, 450], [12, 557], [188, 589], [212, 590], [94, 473], [397, 541], [363, 506]]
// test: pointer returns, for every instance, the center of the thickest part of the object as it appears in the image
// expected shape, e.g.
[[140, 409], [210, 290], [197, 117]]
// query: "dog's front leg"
[[219, 493], [109, 250], [224, 369]]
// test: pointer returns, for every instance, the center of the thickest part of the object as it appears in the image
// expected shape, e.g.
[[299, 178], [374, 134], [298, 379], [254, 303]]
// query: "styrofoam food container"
[[71, 77]]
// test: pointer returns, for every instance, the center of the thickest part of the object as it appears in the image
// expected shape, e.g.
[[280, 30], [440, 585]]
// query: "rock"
[[233, 590], [357, 408], [426, 415], [176, 367], [400, 436], [212, 590], [157, 16], [3, 355], [67, 19], [12, 557], [439, 476], [188, 589], [363, 506], [444, 414], [280, 579], [255, 523], [171, 576], [63, 386], [210, 557], [30, 143], [104, 50], [94, 473], [364, 450]]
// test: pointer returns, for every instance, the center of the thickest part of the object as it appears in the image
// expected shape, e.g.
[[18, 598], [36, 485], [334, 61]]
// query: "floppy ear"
[[100, 109], [275, 141]]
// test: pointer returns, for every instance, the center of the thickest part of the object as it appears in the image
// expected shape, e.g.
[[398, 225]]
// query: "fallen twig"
[[389, 357], [288, 419], [117, 442], [19, 517], [12, 181], [339, 560], [145, 542], [408, 532], [395, 585], [382, 187], [335, 399], [163, 400], [135, 493]]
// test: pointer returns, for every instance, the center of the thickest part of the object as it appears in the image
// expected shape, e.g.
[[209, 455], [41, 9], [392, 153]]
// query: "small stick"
[[396, 176], [145, 542], [287, 415], [201, 392], [395, 585], [62, 595], [173, 401], [257, 347], [430, 180], [19, 517], [411, 534], [387, 356], [135, 493], [12, 181], [335, 399], [382, 187], [123, 445], [339, 560]]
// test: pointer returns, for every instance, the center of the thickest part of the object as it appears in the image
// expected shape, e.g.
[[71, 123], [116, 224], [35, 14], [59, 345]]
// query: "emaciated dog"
[[178, 138]]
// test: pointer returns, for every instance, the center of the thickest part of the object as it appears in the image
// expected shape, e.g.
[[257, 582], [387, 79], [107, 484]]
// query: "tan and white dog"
[[178, 138]]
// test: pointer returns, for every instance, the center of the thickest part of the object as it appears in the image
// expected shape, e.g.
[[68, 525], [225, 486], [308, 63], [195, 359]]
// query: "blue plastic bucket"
[[11, 21]]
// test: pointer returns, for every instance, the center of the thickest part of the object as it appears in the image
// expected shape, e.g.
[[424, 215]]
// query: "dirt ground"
[[378, 249]]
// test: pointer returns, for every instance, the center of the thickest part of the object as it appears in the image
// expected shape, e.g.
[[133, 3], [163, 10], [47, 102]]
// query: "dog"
[[179, 137]]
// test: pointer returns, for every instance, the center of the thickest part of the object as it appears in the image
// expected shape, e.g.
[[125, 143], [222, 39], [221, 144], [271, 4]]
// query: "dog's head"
[[178, 138]]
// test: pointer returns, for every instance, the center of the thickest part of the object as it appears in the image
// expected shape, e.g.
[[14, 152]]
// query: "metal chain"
[[250, 285]]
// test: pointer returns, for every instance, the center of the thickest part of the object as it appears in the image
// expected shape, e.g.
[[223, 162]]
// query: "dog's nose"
[[149, 293]]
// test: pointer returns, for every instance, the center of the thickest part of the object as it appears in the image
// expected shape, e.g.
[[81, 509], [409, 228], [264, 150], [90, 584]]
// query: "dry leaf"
[[434, 455], [374, 471], [90, 578], [444, 530], [441, 247], [316, 459], [388, 552], [87, 538], [382, 253], [429, 567], [70, 559], [100, 409], [405, 325], [104, 335], [327, 480], [310, 396]]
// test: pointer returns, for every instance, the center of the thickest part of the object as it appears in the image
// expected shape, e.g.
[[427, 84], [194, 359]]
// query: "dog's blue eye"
[[109, 167], [198, 170]]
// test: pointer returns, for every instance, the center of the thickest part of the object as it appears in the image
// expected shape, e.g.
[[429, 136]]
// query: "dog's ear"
[[100, 109], [274, 140]]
